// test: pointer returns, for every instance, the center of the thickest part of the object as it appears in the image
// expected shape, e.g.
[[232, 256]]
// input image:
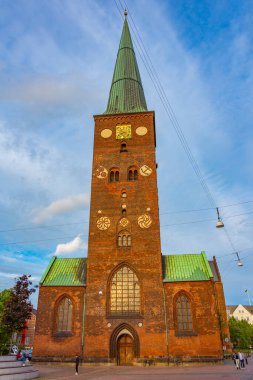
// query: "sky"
[[56, 66]]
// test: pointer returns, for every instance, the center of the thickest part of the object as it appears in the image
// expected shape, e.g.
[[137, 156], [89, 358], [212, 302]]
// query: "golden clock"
[[123, 132]]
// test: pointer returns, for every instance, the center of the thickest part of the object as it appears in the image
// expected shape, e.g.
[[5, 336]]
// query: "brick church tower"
[[124, 265], [127, 303]]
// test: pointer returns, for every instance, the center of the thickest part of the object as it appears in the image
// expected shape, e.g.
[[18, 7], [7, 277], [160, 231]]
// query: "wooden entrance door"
[[125, 350]]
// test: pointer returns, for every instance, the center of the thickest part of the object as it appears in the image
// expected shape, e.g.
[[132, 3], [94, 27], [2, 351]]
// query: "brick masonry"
[[156, 335]]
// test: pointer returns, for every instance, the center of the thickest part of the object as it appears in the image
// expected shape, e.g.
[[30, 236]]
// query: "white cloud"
[[9, 275], [60, 206], [8, 259], [72, 246]]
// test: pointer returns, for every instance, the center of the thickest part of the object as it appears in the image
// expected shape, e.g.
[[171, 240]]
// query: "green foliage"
[[15, 309], [18, 308], [5, 335], [241, 333]]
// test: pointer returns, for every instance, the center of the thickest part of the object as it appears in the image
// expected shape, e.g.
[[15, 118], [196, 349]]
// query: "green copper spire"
[[126, 94]]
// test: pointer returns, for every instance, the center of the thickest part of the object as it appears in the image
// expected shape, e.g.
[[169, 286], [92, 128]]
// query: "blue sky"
[[56, 66]]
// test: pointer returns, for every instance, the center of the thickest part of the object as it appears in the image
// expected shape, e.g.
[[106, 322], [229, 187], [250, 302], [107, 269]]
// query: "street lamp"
[[219, 223]]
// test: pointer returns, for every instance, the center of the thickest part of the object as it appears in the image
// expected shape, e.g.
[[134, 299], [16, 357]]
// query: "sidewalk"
[[214, 372]]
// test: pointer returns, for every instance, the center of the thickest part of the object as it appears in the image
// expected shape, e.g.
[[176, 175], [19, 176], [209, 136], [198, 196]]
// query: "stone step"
[[8, 358], [16, 363], [8, 370], [32, 374]]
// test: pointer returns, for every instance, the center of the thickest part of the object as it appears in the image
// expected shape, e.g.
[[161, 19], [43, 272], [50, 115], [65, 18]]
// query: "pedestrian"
[[23, 359], [233, 357], [77, 363], [241, 360], [19, 355], [237, 360]]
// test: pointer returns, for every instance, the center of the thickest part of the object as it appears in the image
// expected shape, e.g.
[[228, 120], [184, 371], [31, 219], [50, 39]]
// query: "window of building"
[[123, 147], [114, 175], [64, 315], [132, 174], [124, 293], [124, 239], [123, 194], [183, 315]]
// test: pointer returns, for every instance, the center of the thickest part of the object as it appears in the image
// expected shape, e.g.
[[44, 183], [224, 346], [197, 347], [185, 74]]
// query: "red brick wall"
[[145, 253], [207, 342], [45, 341]]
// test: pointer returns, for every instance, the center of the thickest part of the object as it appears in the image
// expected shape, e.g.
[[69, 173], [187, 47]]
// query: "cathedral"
[[127, 303]]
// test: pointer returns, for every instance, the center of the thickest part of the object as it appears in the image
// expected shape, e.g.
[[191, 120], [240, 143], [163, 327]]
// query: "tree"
[[241, 333], [18, 308], [4, 333]]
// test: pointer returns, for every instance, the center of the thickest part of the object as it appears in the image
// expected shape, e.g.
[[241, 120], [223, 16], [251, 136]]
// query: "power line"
[[205, 209], [43, 226], [50, 226], [206, 220], [171, 114], [38, 241]]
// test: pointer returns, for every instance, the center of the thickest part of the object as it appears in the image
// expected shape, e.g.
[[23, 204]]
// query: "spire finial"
[[125, 12]]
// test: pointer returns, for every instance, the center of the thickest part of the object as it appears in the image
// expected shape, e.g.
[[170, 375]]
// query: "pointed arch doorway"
[[124, 345], [125, 350]]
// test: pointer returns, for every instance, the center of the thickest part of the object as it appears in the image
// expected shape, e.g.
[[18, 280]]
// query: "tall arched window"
[[64, 316], [124, 293], [132, 174], [114, 175], [124, 239], [183, 315]]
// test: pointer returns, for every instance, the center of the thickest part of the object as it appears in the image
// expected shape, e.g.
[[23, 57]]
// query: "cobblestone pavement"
[[214, 372]]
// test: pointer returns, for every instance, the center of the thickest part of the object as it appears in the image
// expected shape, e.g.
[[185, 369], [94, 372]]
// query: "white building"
[[240, 312]]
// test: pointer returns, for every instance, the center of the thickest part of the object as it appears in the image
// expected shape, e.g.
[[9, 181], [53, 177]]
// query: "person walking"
[[241, 360], [237, 361], [77, 363], [233, 357]]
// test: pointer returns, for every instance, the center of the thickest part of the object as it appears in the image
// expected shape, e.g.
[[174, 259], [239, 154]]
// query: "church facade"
[[126, 303]]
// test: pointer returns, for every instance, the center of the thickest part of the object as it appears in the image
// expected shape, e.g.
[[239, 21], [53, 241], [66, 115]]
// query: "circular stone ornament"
[[101, 172], [103, 223], [123, 222], [140, 324], [141, 131], [106, 133], [144, 221], [145, 170]]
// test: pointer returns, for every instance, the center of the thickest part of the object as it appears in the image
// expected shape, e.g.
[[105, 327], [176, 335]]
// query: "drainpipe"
[[83, 322], [165, 319]]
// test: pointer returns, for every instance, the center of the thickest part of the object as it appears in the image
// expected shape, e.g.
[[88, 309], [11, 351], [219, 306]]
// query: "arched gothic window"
[[183, 315], [64, 316], [124, 239], [132, 174], [114, 175], [124, 293]]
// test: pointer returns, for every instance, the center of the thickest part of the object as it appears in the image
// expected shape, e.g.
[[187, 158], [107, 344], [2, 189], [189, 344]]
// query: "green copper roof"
[[190, 267], [65, 272], [126, 94]]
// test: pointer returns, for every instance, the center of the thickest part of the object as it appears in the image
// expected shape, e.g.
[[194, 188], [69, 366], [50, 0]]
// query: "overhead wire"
[[171, 114], [50, 226]]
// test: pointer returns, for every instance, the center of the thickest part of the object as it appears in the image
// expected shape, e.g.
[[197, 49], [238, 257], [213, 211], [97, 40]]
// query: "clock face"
[[123, 132]]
